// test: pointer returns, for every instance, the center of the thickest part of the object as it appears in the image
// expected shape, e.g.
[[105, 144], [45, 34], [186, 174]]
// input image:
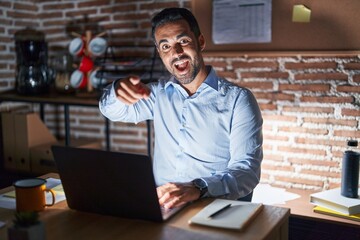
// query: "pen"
[[219, 211]]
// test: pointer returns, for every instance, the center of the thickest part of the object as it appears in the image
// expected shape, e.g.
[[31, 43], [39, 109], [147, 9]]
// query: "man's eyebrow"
[[177, 37]]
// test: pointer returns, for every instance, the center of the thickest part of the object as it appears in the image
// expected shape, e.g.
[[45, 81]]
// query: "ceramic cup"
[[97, 82], [78, 79], [86, 64], [30, 195], [97, 46], [76, 47]]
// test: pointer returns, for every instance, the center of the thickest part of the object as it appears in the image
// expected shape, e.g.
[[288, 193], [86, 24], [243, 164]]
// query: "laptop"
[[110, 183]]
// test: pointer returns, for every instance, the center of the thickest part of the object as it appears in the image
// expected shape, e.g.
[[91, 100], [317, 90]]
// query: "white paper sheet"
[[241, 21], [266, 194]]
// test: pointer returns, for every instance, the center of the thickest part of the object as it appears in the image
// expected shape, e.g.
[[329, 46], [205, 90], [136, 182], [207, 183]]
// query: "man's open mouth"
[[181, 65]]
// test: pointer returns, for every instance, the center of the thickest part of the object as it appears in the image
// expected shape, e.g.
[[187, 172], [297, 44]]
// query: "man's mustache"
[[182, 57]]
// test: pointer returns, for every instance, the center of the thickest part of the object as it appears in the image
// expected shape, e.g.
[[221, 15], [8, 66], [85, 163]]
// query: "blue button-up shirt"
[[214, 134]]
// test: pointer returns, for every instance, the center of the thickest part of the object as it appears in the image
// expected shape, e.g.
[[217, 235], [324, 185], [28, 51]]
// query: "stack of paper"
[[331, 202]]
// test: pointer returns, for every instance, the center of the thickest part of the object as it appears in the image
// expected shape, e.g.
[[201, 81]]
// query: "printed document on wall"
[[241, 21]]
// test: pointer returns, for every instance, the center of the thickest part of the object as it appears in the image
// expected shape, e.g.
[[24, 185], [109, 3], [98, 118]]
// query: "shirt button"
[[184, 125], [181, 149]]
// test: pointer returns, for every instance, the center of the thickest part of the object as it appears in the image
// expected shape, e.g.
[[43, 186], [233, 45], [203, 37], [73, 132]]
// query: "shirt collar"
[[210, 80]]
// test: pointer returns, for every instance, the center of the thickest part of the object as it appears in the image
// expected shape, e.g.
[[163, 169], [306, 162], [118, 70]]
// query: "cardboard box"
[[30, 131], [8, 136], [21, 131], [42, 159]]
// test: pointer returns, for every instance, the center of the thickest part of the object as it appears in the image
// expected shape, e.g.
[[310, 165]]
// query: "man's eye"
[[165, 47], [184, 41]]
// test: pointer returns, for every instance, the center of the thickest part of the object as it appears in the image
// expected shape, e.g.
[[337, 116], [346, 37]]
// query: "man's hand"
[[176, 194], [130, 90]]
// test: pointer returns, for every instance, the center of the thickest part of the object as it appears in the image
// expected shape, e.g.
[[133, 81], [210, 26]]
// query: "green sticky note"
[[301, 14]]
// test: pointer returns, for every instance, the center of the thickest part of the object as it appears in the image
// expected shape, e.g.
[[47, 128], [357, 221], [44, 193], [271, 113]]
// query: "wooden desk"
[[304, 223], [63, 223]]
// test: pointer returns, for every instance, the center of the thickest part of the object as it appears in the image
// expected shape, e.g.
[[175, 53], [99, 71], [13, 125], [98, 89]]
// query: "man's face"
[[179, 50]]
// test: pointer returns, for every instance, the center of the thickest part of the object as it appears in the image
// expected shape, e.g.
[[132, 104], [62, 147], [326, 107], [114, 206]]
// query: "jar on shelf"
[[62, 64]]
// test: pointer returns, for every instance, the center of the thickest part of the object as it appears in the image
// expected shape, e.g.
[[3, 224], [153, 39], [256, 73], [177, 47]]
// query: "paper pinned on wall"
[[241, 21]]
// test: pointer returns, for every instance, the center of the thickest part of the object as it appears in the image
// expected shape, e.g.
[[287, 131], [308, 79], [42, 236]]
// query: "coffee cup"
[[97, 82], [78, 79], [86, 64], [97, 46], [76, 47], [30, 195]]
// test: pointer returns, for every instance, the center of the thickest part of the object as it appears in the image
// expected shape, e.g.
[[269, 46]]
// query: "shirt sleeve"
[[115, 110], [243, 171]]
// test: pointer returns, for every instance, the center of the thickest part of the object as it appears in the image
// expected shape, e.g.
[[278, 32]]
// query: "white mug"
[[78, 79], [97, 46], [76, 47]]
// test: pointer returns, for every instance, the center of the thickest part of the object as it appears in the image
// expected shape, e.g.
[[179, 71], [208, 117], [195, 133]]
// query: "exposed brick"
[[86, 129], [119, 9], [321, 173], [316, 141], [302, 150], [119, 25], [264, 106], [327, 99], [297, 180], [276, 137], [127, 132], [310, 65], [134, 142], [305, 161], [322, 76], [275, 96], [218, 64], [94, 3], [51, 15], [22, 15], [80, 13], [226, 74], [159, 5], [271, 65], [267, 166], [266, 75], [132, 16], [305, 87], [347, 133], [57, 22], [258, 85], [21, 23], [280, 118], [347, 88], [356, 78], [350, 112], [25, 6], [318, 131], [352, 66], [331, 121], [273, 157], [308, 109], [58, 6]]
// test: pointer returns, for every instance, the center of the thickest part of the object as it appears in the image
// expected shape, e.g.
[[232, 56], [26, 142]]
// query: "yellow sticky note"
[[301, 14]]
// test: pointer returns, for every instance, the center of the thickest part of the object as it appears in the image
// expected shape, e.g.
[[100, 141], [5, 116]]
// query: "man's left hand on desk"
[[176, 194]]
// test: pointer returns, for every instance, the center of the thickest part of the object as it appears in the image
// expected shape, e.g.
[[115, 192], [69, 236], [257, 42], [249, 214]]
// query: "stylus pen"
[[219, 211]]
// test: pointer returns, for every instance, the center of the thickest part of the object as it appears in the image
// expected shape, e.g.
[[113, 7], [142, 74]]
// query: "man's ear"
[[202, 42]]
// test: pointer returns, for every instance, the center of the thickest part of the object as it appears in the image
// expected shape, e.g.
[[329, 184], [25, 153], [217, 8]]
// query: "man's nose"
[[178, 48]]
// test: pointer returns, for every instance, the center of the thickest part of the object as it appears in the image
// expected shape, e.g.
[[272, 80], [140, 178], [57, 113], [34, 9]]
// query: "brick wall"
[[309, 101]]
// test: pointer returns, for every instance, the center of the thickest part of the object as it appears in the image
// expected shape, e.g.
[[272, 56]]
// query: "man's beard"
[[191, 75]]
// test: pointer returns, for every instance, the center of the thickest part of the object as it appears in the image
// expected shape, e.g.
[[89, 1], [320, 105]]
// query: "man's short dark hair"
[[172, 15]]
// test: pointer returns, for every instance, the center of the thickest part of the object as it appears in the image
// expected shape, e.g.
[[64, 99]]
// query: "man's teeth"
[[179, 63]]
